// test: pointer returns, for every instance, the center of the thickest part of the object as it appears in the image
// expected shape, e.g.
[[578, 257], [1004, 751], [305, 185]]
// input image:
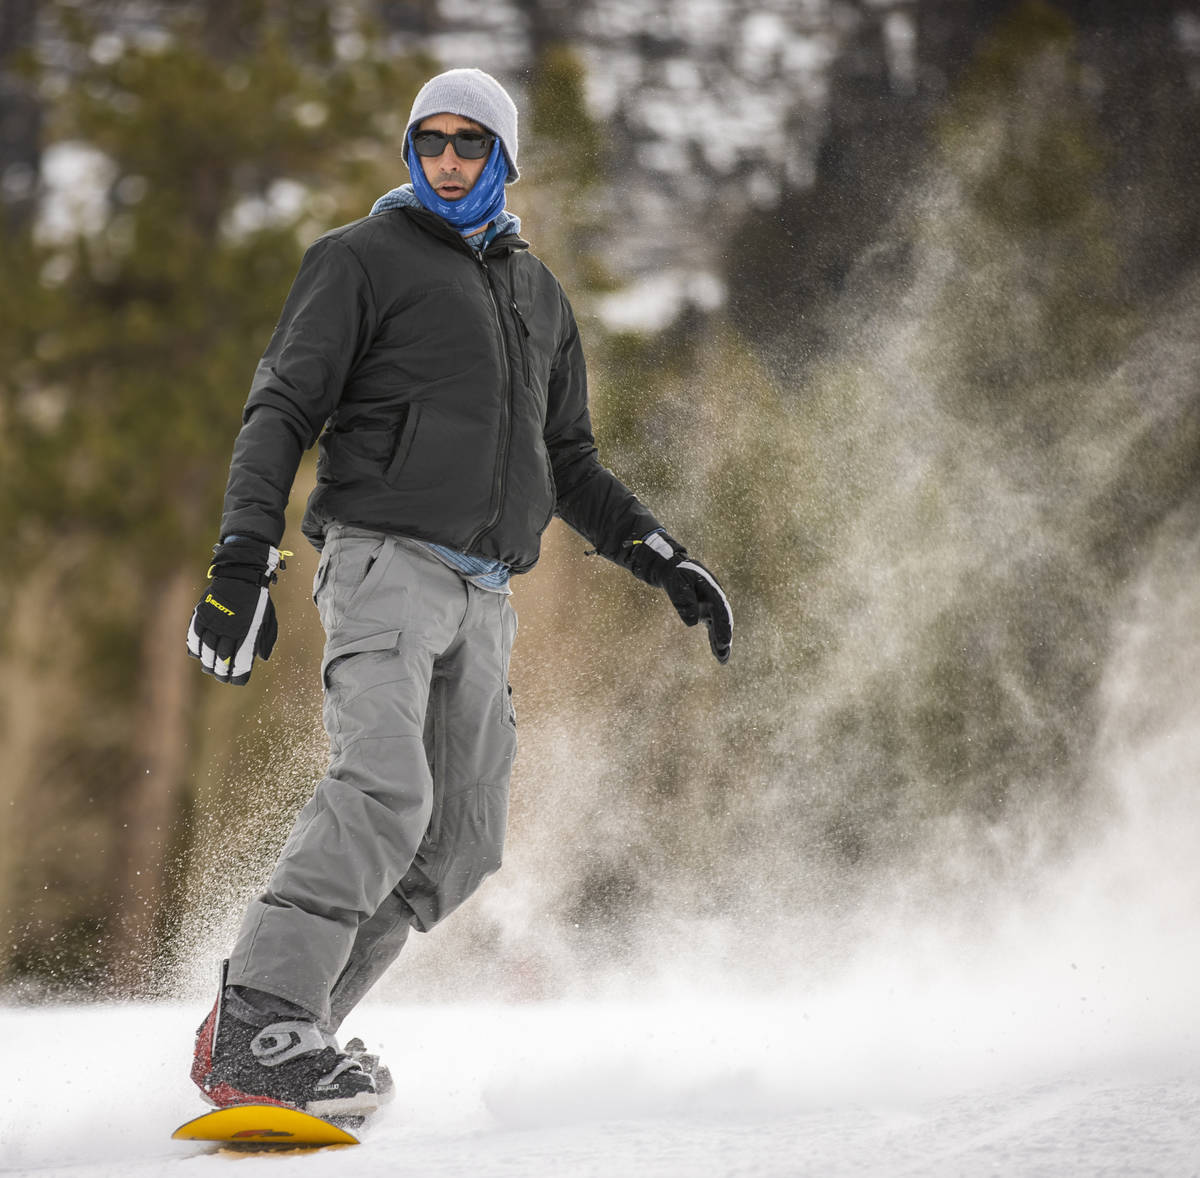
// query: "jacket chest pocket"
[[535, 332], [523, 342]]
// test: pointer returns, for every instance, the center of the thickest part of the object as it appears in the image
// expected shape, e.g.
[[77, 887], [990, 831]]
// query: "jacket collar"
[[506, 243]]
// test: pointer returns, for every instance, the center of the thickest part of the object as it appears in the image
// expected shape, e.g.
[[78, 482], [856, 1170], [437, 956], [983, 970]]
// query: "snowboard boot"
[[287, 1062], [385, 1087]]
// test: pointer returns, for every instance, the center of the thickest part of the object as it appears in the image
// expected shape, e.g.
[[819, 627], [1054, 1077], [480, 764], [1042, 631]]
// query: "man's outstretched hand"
[[694, 592]]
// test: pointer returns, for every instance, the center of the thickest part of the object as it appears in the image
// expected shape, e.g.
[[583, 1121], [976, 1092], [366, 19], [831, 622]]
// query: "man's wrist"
[[652, 555]]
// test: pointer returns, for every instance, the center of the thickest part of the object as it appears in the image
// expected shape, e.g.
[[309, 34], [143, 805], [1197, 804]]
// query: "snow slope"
[[1048, 1070]]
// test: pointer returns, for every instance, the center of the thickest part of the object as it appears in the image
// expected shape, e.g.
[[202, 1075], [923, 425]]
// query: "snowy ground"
[[1072, 1072], [1060, 1037]]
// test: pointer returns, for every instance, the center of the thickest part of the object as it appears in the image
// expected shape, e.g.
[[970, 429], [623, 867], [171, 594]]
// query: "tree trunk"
[[20, 117], [152, 804], [30, 693]]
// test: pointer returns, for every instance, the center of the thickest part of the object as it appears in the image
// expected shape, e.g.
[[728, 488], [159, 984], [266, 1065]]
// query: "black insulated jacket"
[[448, 392]]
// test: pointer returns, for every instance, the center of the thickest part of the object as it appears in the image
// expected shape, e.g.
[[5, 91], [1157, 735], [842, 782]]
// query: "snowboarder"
[[438, 363]]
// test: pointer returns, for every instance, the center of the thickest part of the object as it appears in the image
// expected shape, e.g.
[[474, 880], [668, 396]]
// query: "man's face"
[[450, 176]]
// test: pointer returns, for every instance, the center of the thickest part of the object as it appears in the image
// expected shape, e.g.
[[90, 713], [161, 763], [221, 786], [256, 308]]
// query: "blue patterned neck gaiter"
[[479, 207]]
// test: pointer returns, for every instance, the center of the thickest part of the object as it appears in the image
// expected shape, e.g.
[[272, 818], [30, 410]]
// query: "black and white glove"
[[235, 620], [664, 563]]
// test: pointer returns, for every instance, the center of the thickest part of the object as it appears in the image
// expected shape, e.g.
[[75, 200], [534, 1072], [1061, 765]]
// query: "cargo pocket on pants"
[[508, 632], [339, 689], [384, 640]]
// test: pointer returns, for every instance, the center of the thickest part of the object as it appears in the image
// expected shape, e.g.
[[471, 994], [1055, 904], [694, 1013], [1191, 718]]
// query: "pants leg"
[[376, 945], [475, 742], [470, 738], [398, 623]]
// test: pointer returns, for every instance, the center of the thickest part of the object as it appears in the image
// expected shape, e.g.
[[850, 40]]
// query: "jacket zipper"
[[506, 413]]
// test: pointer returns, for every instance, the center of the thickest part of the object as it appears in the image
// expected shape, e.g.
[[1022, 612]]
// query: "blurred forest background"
[[893, 315]]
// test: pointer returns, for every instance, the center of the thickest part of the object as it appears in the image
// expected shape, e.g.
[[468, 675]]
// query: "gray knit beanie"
[[474, 95]]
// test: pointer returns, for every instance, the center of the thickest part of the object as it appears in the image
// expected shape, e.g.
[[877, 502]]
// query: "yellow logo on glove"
[[209, 599]]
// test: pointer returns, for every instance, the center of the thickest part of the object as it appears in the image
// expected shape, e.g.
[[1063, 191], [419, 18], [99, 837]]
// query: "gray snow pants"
[[410, 816]]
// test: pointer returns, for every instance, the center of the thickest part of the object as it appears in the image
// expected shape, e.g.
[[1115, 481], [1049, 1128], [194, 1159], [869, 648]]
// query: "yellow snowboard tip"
[[263, 1124]]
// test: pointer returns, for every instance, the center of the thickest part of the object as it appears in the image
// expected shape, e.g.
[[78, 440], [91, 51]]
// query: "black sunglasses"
[[468, 145]]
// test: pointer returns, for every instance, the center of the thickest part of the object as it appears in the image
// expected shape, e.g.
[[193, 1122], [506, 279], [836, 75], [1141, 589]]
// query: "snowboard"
[[264, 1126]]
